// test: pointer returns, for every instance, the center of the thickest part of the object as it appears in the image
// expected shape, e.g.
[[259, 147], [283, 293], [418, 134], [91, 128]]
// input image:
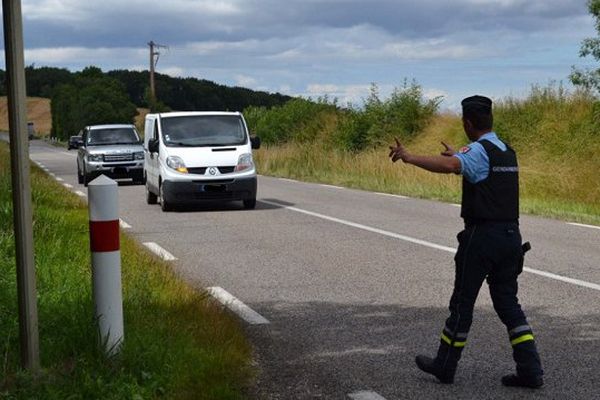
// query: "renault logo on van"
[[212, 171]]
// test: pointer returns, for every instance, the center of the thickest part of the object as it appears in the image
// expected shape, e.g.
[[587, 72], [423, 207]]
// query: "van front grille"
[[197, 170], [202, 170]]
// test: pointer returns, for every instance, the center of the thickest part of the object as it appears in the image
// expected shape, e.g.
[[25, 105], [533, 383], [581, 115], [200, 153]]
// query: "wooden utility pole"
[[154, 55], [21, 185]]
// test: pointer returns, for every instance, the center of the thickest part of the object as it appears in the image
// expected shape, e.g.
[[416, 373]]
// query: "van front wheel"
[[163, 203], [250, 204], [151, 198]]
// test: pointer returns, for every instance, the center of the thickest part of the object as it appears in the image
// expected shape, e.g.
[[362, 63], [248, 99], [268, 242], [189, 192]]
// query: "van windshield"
[[97, 137], [203, 130]]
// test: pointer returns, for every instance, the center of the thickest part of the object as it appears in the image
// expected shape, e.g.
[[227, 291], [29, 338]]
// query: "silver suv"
[[113, 150]]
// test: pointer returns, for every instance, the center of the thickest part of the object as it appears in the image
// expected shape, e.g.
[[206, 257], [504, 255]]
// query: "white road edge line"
[[365, 395], [398, 196], [236, 306], [159, 251], [68, 186], [584, 225], [550, 275], [455, 205], [331, 186], [124, 224], [288, 180], [59, 179], [80, 193]]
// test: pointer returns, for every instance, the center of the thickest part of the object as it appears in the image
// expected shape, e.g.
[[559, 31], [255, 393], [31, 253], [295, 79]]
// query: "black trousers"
[[489, 251]]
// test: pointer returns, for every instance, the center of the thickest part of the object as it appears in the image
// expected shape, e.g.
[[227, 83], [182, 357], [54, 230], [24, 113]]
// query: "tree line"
[[92, 96]]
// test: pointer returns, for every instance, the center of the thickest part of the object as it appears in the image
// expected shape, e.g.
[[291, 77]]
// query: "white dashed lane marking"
[[365, 395], [331, 186], [398, 196], [236, 306], [159, 251]]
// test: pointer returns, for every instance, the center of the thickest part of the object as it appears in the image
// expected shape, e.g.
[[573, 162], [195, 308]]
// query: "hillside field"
[[38, 112]]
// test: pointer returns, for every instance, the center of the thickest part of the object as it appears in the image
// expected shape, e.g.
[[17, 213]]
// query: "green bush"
[[403, 115], [298, 119]]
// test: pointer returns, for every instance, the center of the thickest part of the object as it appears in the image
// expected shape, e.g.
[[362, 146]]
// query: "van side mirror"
[[255, 142], [153, 145]]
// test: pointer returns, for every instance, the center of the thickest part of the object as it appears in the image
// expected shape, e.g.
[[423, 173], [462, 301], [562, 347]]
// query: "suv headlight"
[[138, 155], [244, 162], [95, 157], [176, 163]]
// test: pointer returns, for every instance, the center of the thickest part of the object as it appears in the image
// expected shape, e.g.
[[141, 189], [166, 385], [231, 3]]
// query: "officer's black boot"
[[529, 367], [514, 380], [443, 366]]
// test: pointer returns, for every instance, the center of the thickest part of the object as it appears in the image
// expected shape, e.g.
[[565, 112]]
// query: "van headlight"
[[244, 162], [176, 163], [95, 157], [138, 155]]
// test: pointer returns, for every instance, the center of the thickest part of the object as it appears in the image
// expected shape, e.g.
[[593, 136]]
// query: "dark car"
[[75, 142]]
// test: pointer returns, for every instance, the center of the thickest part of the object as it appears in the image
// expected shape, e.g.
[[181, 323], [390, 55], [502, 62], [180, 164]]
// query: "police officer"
[[489, 246]]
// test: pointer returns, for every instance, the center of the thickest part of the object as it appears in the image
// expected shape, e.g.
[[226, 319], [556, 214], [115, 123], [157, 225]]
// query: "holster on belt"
[[525, 247]]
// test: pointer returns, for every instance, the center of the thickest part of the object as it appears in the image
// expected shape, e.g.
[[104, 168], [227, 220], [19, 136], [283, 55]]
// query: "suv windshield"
[[203, 130], [97, 137]]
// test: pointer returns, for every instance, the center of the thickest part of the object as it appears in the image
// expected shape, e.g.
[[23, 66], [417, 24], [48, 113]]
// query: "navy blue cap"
[[482, 103]]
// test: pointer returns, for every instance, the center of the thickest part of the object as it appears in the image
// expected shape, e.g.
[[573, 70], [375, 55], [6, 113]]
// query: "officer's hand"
[[449, 150], [398, 152]]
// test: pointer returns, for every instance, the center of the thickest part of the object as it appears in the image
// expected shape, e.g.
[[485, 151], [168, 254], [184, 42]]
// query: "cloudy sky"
[[311, 48]]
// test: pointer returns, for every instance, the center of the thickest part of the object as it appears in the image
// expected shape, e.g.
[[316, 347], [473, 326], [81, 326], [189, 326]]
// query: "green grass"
[[178, 343], [556, 136]]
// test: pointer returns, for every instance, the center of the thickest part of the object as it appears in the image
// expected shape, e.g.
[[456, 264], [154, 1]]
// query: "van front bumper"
[[176, 192]]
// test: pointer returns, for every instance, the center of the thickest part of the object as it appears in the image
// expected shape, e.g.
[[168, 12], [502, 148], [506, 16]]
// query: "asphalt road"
[[351, 298]]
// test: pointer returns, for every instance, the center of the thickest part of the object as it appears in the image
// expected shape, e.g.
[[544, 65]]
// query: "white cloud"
[[55, 10], [432, 93], [245, 81], [172, 71], [344, 93], [80, 55]]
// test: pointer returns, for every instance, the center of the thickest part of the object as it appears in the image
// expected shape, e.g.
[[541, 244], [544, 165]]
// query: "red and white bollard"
[[106, 261]]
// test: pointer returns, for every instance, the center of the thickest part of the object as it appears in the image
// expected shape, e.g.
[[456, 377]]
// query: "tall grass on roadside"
[[556, 135], [178, 344]]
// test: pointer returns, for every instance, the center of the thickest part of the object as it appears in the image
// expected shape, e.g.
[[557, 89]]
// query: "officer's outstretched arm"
[[440, 164]]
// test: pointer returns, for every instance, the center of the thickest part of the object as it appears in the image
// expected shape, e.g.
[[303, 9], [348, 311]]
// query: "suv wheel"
[[79, 176], [86, 178], [250, 204]]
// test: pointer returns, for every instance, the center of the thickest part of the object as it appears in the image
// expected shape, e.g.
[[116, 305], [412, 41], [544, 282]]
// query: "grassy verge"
[[564, 185], [179, 345]]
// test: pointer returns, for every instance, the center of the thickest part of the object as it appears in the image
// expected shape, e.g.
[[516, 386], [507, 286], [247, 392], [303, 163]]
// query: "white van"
[[195, 156]]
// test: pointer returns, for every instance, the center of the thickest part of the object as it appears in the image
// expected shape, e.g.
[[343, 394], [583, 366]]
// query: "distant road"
[[351, 285]]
